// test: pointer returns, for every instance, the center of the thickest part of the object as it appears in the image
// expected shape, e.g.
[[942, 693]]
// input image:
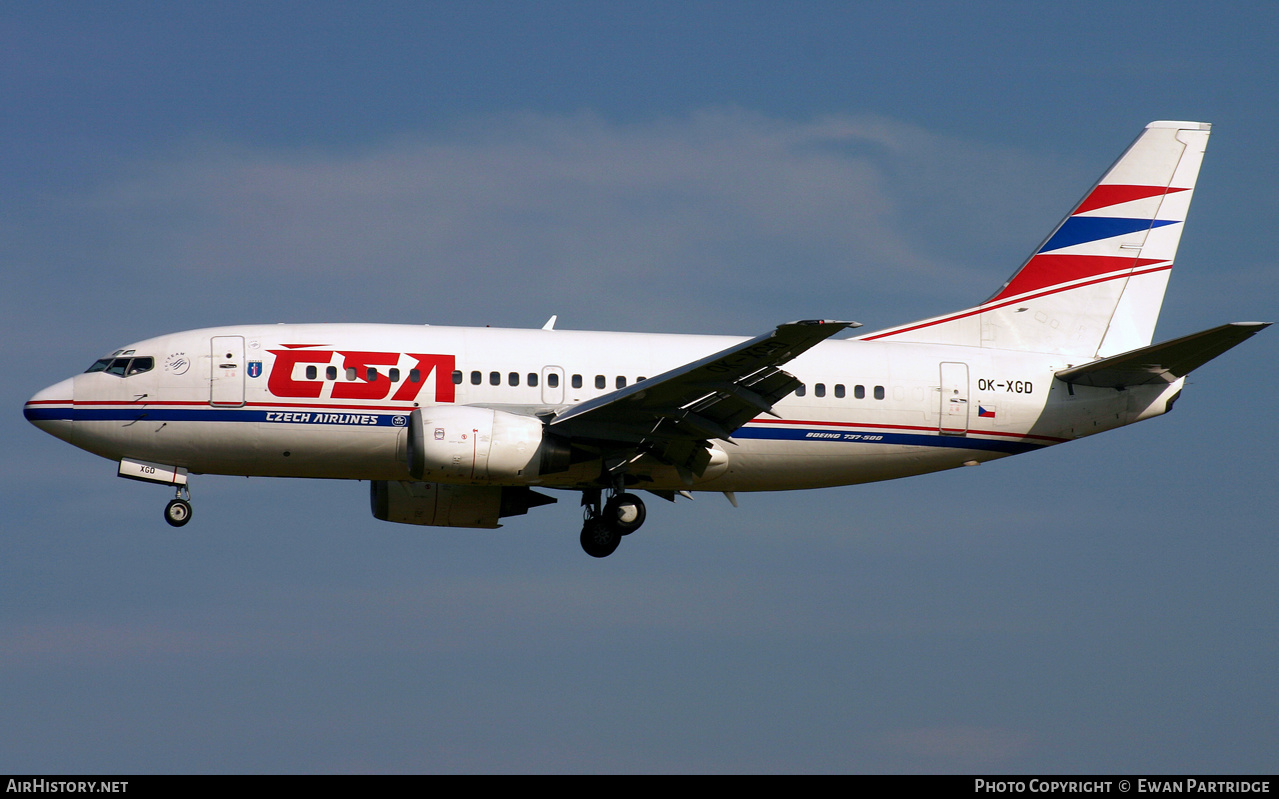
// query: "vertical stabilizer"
[[1094, 287]]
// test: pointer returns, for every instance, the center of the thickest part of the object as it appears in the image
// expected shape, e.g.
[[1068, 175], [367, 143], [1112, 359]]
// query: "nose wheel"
[[178, 511], [604, 526]]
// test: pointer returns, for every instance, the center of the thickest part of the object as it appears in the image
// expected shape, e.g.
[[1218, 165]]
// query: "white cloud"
[[694, 223]]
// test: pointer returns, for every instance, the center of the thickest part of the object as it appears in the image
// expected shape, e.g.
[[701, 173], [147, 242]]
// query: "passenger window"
[[495, 378], [553, 380], [476, 378], [879, 392], [350, 373], [331, 373], [312, 372], [819, 390], [621, 382], [859, 392], [532, 379], [839, 390], [394, 375], [415, 376], [599, 381], [457, 377], [801, 391], [577, 381], [513, 378], [370, 375]]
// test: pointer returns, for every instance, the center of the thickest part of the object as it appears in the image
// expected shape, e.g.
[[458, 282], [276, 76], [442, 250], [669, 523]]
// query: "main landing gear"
[[604, 526], [178, 511]]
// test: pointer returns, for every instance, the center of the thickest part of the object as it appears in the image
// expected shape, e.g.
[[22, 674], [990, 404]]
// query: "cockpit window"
[[122, 367]]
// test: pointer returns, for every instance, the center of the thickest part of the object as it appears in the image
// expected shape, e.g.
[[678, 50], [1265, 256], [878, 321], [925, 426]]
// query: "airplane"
[[457, 426]]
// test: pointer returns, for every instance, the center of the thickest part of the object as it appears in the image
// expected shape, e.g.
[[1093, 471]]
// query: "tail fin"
[[1095, 286]]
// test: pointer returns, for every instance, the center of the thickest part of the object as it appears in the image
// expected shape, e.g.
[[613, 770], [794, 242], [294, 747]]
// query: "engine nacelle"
[[480, 446], [444, 505]]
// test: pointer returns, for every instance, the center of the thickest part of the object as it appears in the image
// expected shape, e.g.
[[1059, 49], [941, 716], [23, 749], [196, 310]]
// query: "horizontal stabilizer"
[[1161, 363]]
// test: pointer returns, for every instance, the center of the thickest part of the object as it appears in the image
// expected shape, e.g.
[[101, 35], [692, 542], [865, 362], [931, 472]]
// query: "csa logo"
[[255, 368], [369, 372]]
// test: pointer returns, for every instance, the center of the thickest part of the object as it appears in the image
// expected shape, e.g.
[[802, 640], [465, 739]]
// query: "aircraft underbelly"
[[252, 449], [780, 466]]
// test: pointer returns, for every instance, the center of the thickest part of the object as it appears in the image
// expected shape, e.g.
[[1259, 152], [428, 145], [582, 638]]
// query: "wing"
[[674, 415]]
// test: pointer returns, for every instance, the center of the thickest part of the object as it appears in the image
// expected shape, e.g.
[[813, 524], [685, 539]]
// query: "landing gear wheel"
[[177, 512], [599, 539], [624, 513]]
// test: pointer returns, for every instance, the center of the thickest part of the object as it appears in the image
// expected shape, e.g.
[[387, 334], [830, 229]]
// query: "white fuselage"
[[333, 401]]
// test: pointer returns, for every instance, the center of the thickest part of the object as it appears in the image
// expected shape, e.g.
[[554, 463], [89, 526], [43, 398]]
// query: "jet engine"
[[444, 505], [481, 446]]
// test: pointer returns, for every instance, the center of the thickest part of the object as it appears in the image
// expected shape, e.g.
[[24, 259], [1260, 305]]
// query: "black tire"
[[177, 512], [599, 540], [625, 513]]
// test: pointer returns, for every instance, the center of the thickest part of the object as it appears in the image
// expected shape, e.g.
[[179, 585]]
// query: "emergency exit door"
[[226, 371], [552, 385]]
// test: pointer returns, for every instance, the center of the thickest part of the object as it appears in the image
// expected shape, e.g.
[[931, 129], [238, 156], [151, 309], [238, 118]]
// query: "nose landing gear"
[[178, 511], [604, 526]]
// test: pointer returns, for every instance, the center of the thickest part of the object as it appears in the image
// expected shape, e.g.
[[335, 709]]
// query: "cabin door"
[[226, 371], [954, 399]]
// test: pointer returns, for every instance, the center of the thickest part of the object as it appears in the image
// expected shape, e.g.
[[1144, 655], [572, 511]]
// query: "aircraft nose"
[[51, 409]]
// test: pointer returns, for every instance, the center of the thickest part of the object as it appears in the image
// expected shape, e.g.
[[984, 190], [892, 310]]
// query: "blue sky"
[[1105, 606]]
